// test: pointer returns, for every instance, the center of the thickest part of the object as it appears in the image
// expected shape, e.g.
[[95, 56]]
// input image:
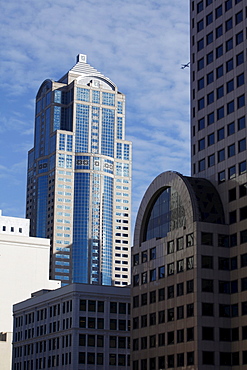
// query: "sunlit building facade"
[[79, 177]]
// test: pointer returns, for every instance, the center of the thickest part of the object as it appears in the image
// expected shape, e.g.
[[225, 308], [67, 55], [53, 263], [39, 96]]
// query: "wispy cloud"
[[139, 44]]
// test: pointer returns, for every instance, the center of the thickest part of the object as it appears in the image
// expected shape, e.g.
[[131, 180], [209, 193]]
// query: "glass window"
[[241, 145], [219, 31], [200, 25], [219, 51], [210, 57], [201, 165], [240, 80], [230, 107], [211, 139], [221, 134], [241, 123], [200, 44], [232, 172], [201, 144], [239, 38], [241, 101], [229, 44], [221, 155], [207, 262], [242, 167], [228, 5], [229, 65], [228, 24], [200, 83], [221, 176], [170, 247], [210, 97], [211, 160], [152, 275], [218, 12], [220, 113], [231, 129], [200, 64], [200, 103], [240, 58], [239, 17], [220, 92], [210, 118], [209, 18], [230, 86], [201, 124], [219, 71]]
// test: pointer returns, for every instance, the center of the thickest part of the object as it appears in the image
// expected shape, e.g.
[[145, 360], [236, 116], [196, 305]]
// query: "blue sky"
[[138, 44]]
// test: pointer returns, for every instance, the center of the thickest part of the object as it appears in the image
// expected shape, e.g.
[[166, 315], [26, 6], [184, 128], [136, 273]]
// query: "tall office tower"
[[79, 177], [189, 293]]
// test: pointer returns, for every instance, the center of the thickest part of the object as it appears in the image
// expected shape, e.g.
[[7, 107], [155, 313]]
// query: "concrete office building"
[[79, 326], [24, 263], [189, 290], [79, 177]]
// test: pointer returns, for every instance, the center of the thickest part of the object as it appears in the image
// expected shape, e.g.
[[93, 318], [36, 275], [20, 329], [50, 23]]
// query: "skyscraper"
[[79, 177], [189, 294]]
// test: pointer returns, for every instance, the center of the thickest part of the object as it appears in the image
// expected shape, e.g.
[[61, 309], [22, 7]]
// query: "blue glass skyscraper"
[[79, 177]]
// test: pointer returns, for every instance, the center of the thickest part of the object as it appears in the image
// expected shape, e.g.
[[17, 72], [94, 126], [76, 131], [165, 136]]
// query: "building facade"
[[189, 294], [79, 177], [24, 263], [79, 326]]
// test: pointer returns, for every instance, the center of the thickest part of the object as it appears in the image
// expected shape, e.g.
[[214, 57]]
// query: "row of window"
[[208, 358], [92, 358], [229, 174], [159, 317], [115, 307], [230, 107], [115, 324], [161, 361], [218, 11], [232, 193], [44, 362], [98, 341]]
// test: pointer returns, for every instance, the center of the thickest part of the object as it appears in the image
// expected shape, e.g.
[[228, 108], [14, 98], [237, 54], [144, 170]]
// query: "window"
[[241, 123], [207, 309], [180, 289], [210, 118], [241, 145], [200, 83], [229, 65], [180, 266], [170, 268], [200, 103], [218, 12], [190, 334], [200, 44], [201, 124], [207, 333], [230, 129], [136, 280], [136, 259], [207, 285], [210, 78], [144, 277], [243, 236], [152, 318], [207, 262], [144, 299], [231, 172], [228, 24], [219, 31], [200, 25], [211, 139], [219, 51], [240, 80], [229, 44], [190, 263], [210, 98], [242, 167], [242, 190], [243, 213], [232, 217], [239, 37], [232, 194], [200, 64], [220, 92], [189, 240], [161, 272], [221, 176], [231, 150], [239, 17], [221, 155], [180, 359], [220, 113], [219, 71], [152, 253], [153, 275], [230, 107], [152, 341], [209, 18], [210, 57], [190, 286], [206, 238], [170, 314], [170, 291], [207, 358], [170, 337], [190, 309], [201, 144], [161, 293], [199, 6], [221, 134], [228, 5], [241, 101], [240, 58], [211, 160]]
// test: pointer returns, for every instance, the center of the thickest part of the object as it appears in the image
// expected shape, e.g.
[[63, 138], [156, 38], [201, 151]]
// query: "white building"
[[24, 264], [77, 327]]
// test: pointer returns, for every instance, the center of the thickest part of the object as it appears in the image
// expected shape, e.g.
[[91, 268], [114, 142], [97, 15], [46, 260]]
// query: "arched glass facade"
[[166, 214]]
